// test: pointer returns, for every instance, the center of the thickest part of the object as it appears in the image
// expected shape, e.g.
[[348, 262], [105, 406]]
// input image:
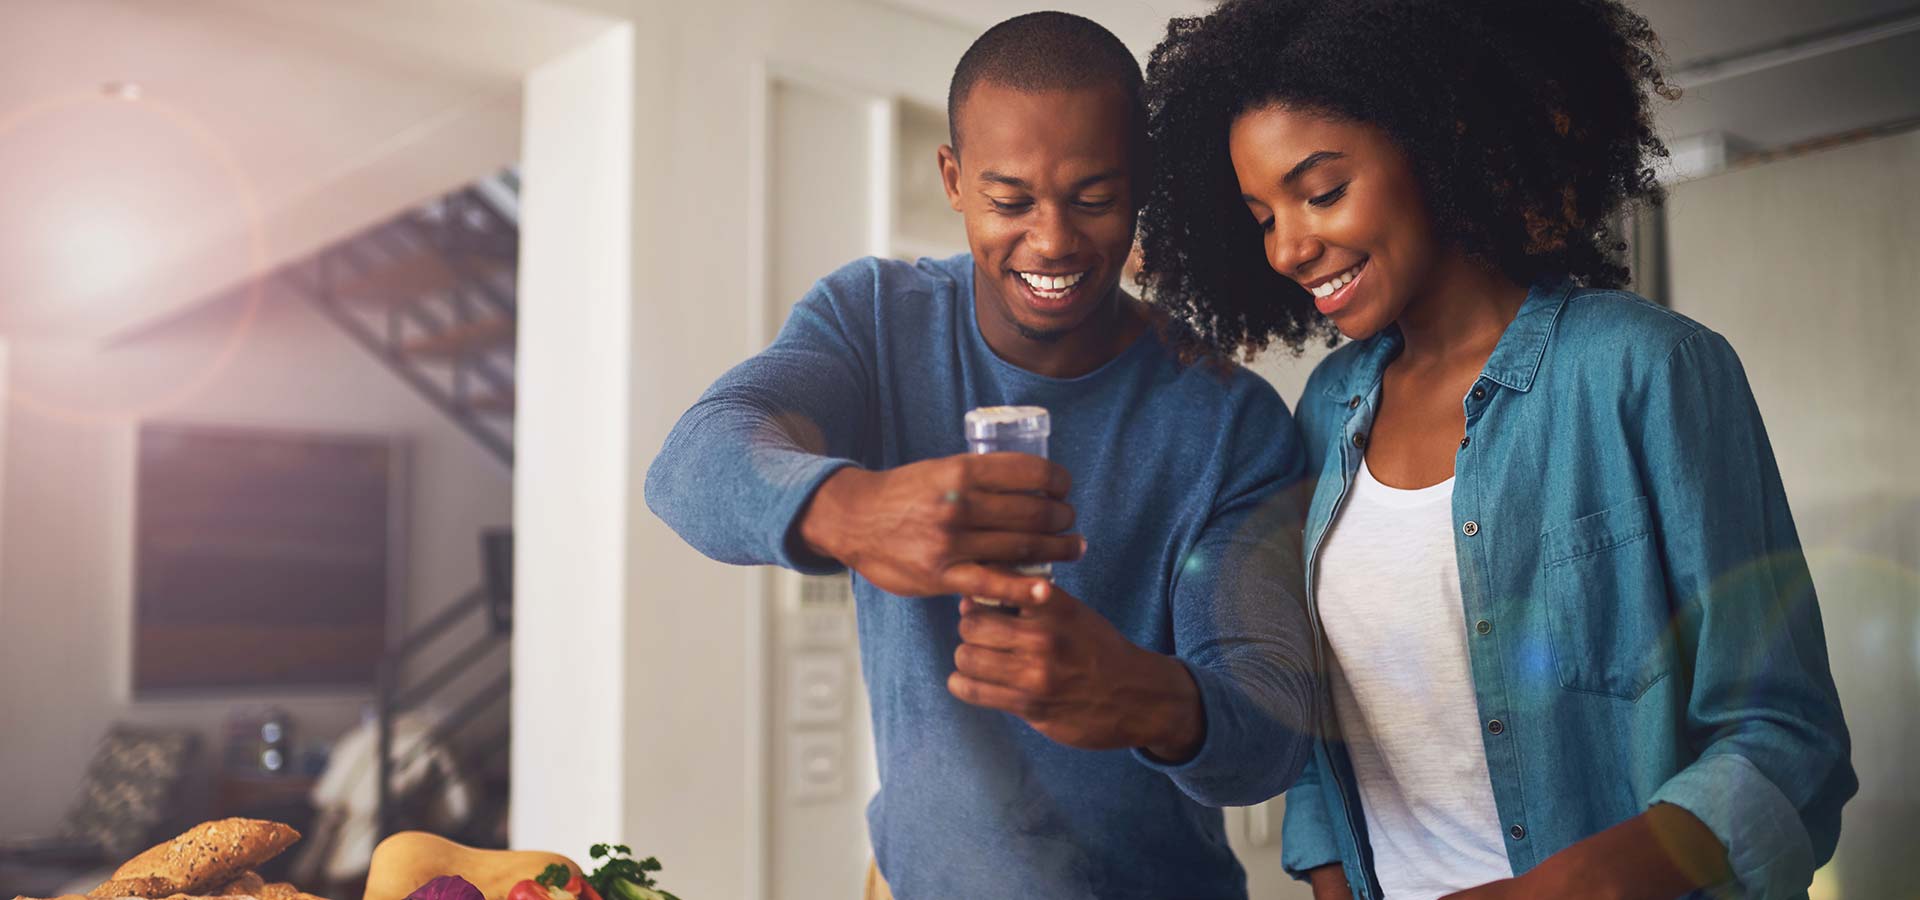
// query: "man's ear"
[[949, 162]]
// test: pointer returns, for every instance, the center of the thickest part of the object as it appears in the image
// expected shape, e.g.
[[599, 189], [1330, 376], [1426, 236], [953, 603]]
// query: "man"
[[1070, 749]]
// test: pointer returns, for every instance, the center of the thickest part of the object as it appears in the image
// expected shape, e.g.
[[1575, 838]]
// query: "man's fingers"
[[988, 665], [1018, 473], [975, 692], [993, 511], [975, 580], [1013, 547], [991, 626]]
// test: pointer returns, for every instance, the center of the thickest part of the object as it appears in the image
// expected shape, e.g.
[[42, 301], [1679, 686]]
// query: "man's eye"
[[1009, 205], [1329, 198]]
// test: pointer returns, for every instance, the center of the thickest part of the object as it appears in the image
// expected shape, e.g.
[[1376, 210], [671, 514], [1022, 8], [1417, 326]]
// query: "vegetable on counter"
[[447, 887], [411, 859], [621, 877]]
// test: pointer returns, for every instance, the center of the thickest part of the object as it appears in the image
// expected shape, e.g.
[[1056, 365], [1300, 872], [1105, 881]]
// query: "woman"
[[1571, 645]]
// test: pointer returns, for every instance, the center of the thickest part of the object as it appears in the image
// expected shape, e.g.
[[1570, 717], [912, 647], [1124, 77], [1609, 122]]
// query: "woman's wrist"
[[1329, 882]]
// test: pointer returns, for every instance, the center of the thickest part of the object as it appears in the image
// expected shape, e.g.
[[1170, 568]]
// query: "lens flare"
[[95, 250]]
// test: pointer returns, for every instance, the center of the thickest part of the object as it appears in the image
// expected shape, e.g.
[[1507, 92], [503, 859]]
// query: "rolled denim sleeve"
[[1306, 833], [1772, 768], [1240, 624]]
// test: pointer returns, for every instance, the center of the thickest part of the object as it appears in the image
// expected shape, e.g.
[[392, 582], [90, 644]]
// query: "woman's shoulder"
[[1613, 318], [1620, 339]]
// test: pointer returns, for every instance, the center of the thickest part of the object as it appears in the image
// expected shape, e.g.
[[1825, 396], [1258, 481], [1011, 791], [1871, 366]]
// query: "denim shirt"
[[1640, 619]]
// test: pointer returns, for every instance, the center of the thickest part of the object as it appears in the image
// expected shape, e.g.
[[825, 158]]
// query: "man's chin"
[[1047, 335]]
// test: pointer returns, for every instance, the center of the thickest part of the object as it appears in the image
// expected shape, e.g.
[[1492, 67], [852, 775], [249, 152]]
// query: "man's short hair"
[[1049, 51]]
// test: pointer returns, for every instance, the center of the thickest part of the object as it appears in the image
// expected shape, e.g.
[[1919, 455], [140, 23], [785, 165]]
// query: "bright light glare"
[[98, 250]]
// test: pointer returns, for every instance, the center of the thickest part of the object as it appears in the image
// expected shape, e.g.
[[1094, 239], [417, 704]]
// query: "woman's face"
[[1340, 210]]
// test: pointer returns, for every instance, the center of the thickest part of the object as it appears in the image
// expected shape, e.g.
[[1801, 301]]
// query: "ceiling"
[[1872, 84], [263, 129], [266, 129]]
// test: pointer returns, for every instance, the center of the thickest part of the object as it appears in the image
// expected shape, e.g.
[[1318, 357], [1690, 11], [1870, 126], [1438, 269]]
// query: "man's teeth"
[[1335, 283], [1051, 284]]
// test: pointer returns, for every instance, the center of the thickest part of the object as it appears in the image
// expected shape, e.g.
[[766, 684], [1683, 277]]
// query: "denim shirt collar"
[[1515, 360]]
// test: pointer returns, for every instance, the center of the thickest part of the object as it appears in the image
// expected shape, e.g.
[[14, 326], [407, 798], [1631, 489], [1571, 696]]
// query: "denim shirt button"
[[1494, 727], [1518, 831], [1470, 529], [1354, 403], [1360, 440], [1483, 626], [1480, 393], [1464, 442]]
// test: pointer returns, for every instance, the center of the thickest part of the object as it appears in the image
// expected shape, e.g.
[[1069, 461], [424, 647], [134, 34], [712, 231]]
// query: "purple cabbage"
[[447, 887]]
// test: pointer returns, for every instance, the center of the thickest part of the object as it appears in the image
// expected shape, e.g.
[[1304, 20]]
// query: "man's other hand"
[[945, 526], [1070, 674]]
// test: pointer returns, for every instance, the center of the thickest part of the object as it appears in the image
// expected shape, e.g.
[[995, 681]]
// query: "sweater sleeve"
[[742, 464], [1240, 623]]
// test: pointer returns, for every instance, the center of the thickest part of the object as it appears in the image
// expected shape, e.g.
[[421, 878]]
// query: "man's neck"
[[1113, 327]]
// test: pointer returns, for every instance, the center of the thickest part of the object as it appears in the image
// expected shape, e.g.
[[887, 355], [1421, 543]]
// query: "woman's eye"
[[1329, 198], [1094, 202], [1265, 224]]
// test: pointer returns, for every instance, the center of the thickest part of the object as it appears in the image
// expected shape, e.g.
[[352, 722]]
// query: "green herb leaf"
[[554, 876]]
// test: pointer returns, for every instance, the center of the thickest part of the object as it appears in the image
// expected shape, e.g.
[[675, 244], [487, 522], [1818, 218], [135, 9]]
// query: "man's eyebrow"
[[1313, 159], [1021, 183], [1098, 177], [1008, 180]]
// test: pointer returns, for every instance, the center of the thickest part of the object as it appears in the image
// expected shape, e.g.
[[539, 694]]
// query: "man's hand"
[[1071, 675], [945, 526]]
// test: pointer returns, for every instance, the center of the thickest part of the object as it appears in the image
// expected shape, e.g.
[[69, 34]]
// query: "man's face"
[[1043, 182]]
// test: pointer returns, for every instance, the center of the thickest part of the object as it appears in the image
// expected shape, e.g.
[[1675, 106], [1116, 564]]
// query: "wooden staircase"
[[431, 294]]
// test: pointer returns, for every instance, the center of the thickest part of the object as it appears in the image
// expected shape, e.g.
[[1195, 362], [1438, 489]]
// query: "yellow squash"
[[410, 859]]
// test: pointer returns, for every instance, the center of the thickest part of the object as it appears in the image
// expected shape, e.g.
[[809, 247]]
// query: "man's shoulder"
[[873, 280], [1223, 398]]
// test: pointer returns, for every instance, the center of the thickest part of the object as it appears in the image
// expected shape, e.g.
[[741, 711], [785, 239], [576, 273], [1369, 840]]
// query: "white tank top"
[[1389, 598]]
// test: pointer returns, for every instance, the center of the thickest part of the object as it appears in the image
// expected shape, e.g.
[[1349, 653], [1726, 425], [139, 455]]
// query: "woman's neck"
[[1460, 314]]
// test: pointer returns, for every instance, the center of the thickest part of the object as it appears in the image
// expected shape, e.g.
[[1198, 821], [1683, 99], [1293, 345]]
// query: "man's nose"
[[1052, 234]]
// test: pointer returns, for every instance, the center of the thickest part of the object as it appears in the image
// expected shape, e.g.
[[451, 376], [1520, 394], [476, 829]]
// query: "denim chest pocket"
[[1607, 601]]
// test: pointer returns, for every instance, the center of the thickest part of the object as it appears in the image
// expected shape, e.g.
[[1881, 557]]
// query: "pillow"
[[125, 794]]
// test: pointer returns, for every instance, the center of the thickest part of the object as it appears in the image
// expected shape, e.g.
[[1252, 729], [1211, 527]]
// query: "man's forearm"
[[816, 527], [1177, 722]]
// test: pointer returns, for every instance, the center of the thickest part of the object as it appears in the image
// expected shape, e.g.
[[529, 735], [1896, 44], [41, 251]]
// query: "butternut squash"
[[410, 859]]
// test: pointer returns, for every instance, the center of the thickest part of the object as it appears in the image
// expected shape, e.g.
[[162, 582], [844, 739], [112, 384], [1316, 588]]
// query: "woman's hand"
[[1660, 854]]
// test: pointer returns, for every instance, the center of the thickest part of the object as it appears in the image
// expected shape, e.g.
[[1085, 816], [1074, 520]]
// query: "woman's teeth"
[[1335, 283], [1051, 286]]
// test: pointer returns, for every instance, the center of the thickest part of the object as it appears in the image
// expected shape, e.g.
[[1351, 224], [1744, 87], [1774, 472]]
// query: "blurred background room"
[[296, 492]]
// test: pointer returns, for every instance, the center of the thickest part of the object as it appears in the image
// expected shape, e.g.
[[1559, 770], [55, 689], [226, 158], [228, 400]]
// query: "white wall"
[[1808, 267], [66, 586], [572, 496]]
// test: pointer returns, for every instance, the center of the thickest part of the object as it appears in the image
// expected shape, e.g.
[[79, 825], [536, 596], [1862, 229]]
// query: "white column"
[[574, 464]]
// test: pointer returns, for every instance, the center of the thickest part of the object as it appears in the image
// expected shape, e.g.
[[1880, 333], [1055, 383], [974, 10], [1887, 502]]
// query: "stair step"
[[464, 340], [414, 276], [497, 403]]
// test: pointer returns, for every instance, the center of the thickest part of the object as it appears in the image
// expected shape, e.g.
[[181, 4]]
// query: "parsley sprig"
[[621, 877]]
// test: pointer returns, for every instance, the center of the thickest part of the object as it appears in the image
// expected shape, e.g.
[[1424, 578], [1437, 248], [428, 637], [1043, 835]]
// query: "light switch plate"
[[816, 689], [816, 766]]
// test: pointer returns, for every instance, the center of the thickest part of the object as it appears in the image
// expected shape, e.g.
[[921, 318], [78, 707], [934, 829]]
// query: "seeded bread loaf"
[[205, 857]]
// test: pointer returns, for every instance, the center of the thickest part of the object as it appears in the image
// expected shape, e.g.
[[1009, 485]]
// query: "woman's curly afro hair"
[[1526, 123]]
